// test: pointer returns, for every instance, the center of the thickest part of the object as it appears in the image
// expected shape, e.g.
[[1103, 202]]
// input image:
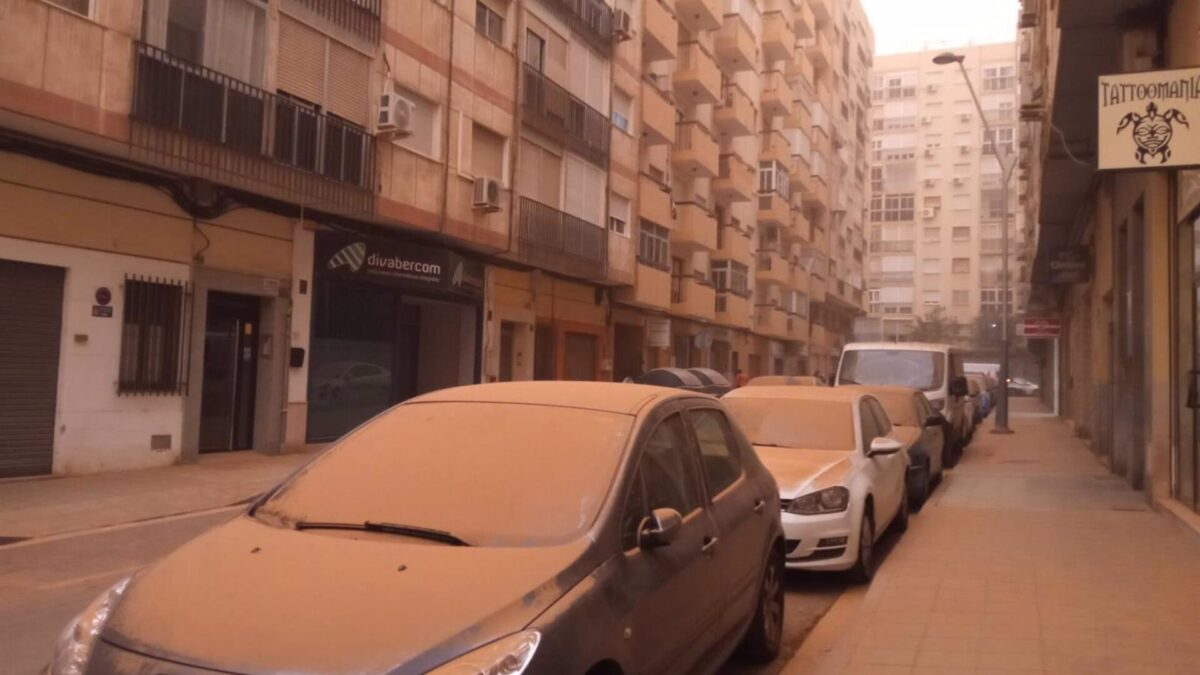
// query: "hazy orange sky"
[[916, 25]]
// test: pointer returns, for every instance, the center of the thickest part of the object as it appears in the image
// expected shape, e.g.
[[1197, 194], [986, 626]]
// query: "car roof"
[[845, 394], [905, 346], [614, 397], [881, 389]]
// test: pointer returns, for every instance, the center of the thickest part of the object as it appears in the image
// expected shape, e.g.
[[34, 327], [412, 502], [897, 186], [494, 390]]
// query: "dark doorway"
[[507, 349], [230, 372], [627, 348], [543, 353], [580, 357]]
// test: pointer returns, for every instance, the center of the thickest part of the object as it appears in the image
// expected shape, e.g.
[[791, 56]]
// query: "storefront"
[[390, 320]]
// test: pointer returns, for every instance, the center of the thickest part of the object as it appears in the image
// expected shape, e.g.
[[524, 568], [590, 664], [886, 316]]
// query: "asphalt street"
[[46, 582]]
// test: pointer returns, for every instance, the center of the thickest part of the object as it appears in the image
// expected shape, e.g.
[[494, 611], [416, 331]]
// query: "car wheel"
[[951, 454], [919, 485], [900, 520], [765, 634], [864, 565]]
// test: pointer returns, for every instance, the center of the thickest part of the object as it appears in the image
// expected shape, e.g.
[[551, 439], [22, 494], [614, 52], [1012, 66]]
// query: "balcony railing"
[[590, 18], [891, 247], [560, 242], [905, 278], [245, 134], [360, 17], [556, 112]]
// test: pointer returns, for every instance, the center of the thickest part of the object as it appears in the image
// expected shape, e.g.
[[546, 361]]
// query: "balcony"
[[696, 152], [902, 246], [658, 116], [193, 120], [776, 95], [772, 268], [774, 209], [800, 175], [818, 50], [893, 278], [695, 299], [805, 23], [555, 112], [559, 242], [771, 321], [736, 181], [590, 18], [698, 15], [736, 115], [797, 327], [735, 243], [779, 42], [733, 309], [660, 32], [822, 9], [360, 17], [801, 229], [736, 48], [695, 228], [800, 73], [775, 147], [697, 78], [654, 202]]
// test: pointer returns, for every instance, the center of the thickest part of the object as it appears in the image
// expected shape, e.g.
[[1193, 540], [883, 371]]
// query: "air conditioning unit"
[[929, 152], [960, 181], [930, 182], [395, 115], [964, 149], [622, 25], [929, 214], [486, 196], [931, 88], [926, 121], [966, 117]]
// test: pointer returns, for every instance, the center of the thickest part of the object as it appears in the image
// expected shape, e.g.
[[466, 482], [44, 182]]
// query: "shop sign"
[[398, 263], [1070, 265], [1150, 120], [1030, 327], [658, 332]]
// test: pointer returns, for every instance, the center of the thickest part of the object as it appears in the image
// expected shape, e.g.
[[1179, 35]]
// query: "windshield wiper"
[[387, 528]]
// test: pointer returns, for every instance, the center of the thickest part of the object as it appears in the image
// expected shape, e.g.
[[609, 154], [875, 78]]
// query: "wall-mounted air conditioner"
[[622, 25], [486, 195], [929, 214], [395, 115]]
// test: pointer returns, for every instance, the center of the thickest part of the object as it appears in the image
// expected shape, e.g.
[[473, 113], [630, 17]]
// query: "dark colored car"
[[703, 380], [538, 528]]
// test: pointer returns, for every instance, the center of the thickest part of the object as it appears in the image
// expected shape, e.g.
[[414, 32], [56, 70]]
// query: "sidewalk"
[[1030, 557], [44, 507]]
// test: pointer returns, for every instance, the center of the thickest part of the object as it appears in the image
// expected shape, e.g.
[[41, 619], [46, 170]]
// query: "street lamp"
[[945, 59]]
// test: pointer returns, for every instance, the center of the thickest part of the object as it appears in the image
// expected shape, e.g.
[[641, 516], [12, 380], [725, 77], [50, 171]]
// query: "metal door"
[[31, 298], [230, 373]]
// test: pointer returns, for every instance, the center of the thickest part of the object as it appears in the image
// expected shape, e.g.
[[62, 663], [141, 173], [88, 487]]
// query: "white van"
[[936, 369]]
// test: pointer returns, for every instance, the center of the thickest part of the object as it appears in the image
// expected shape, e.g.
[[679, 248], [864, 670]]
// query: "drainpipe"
[[514, 150], [446, 134]]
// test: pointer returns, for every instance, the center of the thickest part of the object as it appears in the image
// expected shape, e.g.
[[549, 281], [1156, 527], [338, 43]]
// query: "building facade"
[[937, 201], [1128, 354], [256, 223]]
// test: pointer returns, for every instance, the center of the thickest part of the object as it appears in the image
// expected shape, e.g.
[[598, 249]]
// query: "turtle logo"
[[1152, 132]]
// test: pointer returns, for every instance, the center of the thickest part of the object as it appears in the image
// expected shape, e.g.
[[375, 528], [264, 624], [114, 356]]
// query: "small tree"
[[935, 326]]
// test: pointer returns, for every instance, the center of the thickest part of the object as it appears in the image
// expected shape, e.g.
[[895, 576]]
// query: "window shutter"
[[551, 178], [349, 73], [302, 61]]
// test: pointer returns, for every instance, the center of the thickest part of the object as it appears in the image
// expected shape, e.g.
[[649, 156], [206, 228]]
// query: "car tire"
[[951, 454], [765, 634], [864, 564], [899, 522], [919, 485]]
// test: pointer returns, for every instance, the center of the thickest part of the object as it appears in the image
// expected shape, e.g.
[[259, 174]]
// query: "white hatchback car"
[[841, 473]]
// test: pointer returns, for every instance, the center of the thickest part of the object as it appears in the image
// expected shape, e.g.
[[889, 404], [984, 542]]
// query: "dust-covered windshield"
[[489, 473], [923, 370], [795, 423]]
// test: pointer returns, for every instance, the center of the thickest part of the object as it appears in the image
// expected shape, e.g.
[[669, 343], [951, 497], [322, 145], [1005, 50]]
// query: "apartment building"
[[256, 223], [1114, 238], [937, 199]]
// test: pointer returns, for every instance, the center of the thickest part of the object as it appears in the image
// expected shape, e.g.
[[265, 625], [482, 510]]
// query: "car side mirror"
[[958, 387], [935, 420], [659, 529], [883, 445]]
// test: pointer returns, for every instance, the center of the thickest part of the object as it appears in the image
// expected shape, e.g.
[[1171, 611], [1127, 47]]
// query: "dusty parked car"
[[538, 528], [702, 380], [840, 471], [922, 431], [785, 380]]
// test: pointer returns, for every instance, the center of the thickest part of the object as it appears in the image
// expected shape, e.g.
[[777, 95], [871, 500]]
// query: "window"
[[1004, 138], [931, 297], [900, 85], [653, 245], [535, 51], [993, 205], [489, 22], [932, 202], [882, 423], [773, 177], [618, 215], [585, 193], [676, 279], [960, 297], [991, 300], [152, 337], [961, 234], [226, 35], [867, 425], [877, 179], [931, 234], [718, 449], [931, 265], [960, 202], [667, 471], [487, 152], [996, 78], [425, 123], [622, 107], [82, 7], [635, 512], [892, 208], [732, 277], [960, 265]]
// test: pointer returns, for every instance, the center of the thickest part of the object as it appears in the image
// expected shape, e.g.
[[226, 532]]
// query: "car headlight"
[[829, 500], [74, 646], [506, 656]]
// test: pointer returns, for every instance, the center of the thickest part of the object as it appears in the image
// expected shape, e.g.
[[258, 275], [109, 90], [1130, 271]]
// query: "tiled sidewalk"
[[1030, 558], [50, 506]]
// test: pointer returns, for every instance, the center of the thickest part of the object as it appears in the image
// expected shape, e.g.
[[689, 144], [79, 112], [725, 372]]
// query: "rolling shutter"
[[301, 61], [31, 306], [349, 75]]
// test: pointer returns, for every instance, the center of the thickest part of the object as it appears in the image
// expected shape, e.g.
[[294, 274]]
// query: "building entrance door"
[[1187, 457], [230, 372]]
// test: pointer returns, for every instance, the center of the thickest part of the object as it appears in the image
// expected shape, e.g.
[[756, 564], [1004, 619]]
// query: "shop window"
[[489, 22], [153, 334], [487, 152]]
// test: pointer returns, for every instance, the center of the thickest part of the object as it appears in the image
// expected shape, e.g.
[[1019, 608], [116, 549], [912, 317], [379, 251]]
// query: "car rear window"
[[795, 423], [489, 473]]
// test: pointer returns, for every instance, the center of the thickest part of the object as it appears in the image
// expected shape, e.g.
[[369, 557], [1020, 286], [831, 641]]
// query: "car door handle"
[[710, 545], [758, 505]]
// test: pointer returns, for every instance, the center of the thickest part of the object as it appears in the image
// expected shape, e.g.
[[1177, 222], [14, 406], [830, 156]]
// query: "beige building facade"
[[255, 223], [937, 201]]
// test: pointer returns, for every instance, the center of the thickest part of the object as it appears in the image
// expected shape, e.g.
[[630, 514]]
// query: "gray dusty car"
[[540, 528]]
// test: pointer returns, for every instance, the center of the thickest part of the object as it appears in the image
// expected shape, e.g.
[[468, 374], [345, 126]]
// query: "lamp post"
[[1001, 425]]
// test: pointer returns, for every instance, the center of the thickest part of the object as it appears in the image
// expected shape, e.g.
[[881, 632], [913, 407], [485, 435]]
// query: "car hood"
[[799, 470], [252, 598]]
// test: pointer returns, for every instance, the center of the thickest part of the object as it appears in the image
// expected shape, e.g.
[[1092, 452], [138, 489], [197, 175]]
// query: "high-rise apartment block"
[[256, 223], [937, 206]]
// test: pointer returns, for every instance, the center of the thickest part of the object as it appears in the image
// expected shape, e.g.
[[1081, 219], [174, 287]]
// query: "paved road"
[[44, 583]]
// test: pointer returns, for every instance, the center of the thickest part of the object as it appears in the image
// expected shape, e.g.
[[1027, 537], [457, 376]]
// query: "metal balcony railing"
[[556, 112], [559, 242], [263, 131], [590, 18], [360, 17]]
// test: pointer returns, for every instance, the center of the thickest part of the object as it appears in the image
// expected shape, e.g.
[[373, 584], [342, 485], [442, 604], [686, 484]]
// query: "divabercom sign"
[[397, 263], [1150, 120]]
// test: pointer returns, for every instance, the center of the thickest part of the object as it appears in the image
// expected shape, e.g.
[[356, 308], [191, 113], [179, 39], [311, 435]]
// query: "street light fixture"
[[945, 59]]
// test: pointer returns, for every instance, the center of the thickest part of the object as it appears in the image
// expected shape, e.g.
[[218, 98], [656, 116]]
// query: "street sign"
[[1148, 120], [658, 332], [1035, 328], [1070, 265]]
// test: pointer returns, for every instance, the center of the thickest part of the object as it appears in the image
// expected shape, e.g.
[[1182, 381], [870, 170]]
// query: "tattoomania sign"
[[1150, 120]]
